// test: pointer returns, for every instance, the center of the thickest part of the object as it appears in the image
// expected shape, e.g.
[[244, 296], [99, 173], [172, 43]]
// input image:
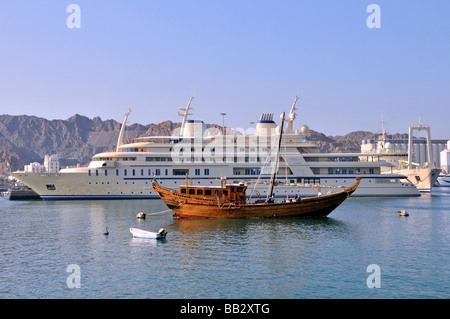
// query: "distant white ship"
[[444, 178], [206, 155], [444, 181], [423, 176]]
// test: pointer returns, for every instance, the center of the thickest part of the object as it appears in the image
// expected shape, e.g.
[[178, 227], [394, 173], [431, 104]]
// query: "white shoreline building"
[[51, 165], [445, 159]]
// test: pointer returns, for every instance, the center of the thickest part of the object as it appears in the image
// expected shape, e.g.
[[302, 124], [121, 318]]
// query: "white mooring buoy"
[[402, 213], [140, 215]]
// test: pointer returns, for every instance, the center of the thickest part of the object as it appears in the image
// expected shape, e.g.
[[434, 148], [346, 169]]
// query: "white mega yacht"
[[195, 154]]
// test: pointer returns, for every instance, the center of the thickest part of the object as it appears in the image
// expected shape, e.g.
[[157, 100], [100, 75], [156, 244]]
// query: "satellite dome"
[[304, 129]]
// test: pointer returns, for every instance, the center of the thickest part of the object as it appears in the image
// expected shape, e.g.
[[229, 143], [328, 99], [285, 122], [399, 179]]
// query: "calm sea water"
[[301, 258]]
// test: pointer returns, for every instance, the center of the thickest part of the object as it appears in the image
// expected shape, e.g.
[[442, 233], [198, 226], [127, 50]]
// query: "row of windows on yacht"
[[146, 172], [222, 158], [330, 159], [166, 172], [193, 149], [348, 171], [229, 159]]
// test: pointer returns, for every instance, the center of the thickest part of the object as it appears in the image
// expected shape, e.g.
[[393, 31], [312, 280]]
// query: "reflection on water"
[[245, 231], [147, 242], [267, 255], [255, 258]]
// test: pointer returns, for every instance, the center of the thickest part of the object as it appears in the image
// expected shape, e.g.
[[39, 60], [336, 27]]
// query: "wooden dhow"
[[229, 201]]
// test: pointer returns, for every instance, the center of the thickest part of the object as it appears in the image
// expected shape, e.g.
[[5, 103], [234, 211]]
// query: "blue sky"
[[238, 57]]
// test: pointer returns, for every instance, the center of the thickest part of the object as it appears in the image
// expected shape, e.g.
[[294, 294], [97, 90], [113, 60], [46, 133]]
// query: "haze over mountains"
[[25, 139]]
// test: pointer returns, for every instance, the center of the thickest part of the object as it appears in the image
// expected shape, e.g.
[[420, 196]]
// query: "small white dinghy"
[[139, 233]]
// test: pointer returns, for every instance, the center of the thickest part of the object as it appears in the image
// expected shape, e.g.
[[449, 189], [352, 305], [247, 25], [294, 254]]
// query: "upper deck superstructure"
[[207, 154]]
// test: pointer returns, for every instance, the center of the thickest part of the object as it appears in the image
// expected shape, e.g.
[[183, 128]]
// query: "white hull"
[[443, 181], [423, 178], [139, 233], [71, 186]]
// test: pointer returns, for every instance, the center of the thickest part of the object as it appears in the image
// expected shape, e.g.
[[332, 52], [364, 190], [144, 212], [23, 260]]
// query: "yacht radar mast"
[[122, 130], [185, 115], [290, 122], [382, 139]]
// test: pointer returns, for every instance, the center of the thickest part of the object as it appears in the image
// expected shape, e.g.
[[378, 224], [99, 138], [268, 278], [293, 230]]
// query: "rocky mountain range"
[[25, 139]]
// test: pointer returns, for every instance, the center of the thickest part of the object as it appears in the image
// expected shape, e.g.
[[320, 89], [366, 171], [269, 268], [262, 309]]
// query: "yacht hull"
[[423, 178], [81, 186]]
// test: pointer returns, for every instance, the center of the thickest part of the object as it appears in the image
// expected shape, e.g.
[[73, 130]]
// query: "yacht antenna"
[[122, 130], [383, 132], [290, 123], [185, 115]]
